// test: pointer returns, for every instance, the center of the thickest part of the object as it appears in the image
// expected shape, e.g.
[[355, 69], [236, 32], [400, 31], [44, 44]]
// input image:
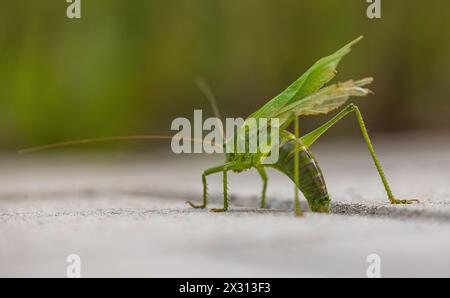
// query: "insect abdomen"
[[311, 181]]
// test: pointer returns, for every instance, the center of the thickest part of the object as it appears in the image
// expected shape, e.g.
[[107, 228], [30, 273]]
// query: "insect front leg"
[[225, 194], [223, 168], [205, 186], [311, 137], [228, 167]]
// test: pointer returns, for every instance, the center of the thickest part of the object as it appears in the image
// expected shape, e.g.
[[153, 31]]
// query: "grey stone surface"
[[125, 215]]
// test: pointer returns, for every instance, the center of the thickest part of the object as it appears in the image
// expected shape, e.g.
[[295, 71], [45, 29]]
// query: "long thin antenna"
[[109, 139], [202, 85], [206, 90]]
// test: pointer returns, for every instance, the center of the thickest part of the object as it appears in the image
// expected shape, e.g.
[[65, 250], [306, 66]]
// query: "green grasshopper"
[[306, 96]]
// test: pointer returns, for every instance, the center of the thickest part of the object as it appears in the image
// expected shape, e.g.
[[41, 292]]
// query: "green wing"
[[306, 95], [312, 80], [325, 100]]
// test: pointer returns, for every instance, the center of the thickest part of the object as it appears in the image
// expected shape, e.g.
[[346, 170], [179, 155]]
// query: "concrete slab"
[[124, 215]]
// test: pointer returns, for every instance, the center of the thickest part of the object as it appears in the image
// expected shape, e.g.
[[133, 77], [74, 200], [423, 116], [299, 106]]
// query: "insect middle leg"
[[263, 175], [311, 137]]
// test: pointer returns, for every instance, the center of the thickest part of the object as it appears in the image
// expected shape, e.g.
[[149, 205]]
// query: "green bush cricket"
[[306, 96]]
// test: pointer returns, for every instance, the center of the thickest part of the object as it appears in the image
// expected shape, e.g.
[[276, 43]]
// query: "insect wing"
[[326, 99], [312, 80]]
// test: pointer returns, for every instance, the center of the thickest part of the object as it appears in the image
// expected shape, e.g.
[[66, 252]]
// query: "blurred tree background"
[[128, 67]]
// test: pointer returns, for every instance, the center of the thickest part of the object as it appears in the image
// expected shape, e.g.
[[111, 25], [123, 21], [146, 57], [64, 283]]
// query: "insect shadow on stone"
[[307, 96]]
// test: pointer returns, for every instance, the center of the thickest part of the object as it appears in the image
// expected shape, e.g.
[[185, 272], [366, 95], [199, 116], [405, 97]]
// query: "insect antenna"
[[207, 92], [202, 85], [110, 139]]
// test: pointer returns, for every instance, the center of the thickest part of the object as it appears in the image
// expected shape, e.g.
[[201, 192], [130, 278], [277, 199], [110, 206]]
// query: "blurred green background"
[[128, 67]]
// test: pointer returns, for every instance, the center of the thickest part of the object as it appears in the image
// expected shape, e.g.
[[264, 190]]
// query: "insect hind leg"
[[298, 209], [311, 137]]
